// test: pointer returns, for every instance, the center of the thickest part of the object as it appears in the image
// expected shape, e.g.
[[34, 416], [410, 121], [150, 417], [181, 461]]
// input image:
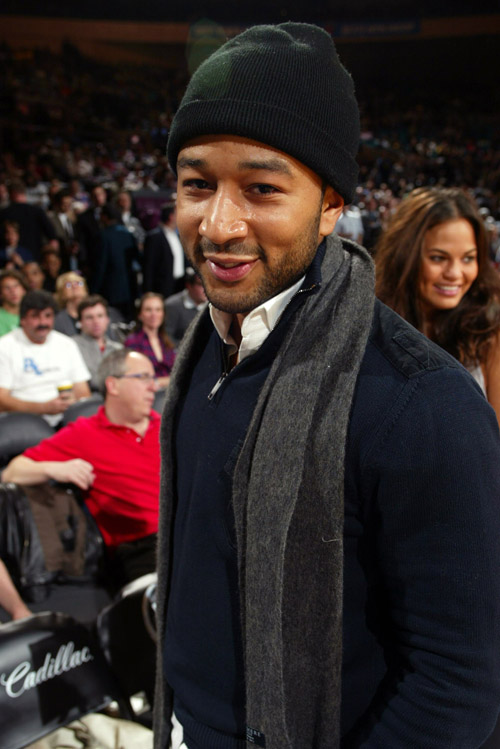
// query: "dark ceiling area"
[[257, 11]]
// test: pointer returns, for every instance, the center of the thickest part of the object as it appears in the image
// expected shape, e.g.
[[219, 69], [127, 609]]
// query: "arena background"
[[105, 73], [398, 42]]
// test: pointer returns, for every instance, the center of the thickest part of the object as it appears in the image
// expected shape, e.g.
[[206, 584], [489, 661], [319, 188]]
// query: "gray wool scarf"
[[288, 497]]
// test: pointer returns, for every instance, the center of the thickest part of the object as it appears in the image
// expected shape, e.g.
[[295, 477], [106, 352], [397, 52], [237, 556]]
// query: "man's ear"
[[330, 211], [111, 385]]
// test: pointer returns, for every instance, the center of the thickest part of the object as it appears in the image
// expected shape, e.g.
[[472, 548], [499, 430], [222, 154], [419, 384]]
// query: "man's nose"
[[224, 219]]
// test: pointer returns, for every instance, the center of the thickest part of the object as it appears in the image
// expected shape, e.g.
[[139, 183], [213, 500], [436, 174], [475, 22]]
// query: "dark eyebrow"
[[184, 163], [447, 252], [268, 165]]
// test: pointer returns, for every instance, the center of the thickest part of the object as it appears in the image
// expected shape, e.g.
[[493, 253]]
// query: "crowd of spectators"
[[71, 123], [85, 187]]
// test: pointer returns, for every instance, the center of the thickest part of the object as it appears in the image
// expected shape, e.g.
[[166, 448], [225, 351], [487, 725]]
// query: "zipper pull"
[[217, 385]]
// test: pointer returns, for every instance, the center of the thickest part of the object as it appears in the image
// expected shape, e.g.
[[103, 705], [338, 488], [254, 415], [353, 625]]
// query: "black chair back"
[[18, 431], [84, 407], [127, 640]]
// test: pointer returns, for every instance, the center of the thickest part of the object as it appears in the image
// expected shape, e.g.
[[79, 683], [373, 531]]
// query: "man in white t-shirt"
[[36, 360]]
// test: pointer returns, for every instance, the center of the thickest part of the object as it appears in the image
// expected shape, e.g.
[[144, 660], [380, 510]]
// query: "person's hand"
[[17, 260], [75, 471], [56, 405], [67, 397], [162, 382], [20, 612]]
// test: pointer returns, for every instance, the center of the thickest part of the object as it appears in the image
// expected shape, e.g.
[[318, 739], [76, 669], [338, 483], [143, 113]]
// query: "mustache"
[[236, 249], [40, 328]]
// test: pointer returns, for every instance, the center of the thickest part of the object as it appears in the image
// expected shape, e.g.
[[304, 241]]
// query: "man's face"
[[11, 236], [94, 321], [135, 388], [34, 276], [66, 204], [52, 264], [123, 201], [250, 218], [37, 324], [99, 196], [11, 291]]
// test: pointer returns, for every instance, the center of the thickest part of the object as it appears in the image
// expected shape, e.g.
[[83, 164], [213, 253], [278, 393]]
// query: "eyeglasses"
[[142, 376], [73, 284]]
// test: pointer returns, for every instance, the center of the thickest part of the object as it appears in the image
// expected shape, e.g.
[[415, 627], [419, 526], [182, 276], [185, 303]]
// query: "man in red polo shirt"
[[114, 458]]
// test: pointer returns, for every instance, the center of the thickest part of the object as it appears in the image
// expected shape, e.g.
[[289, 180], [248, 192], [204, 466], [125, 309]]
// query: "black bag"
[[46, 536]]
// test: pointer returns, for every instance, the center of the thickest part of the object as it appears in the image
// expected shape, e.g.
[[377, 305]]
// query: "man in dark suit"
[[88, 229], [34, 225], [163, 256], [64, 221], [116, 263], [182, 308]]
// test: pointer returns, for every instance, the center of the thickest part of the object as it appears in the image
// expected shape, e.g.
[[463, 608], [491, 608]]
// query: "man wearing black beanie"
[[329, 535]]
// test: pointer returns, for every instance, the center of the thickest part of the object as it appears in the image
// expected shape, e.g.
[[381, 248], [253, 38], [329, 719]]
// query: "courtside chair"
[[52, 671]]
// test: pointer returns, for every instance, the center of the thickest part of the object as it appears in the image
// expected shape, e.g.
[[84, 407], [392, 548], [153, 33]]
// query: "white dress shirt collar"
[[256, 325]]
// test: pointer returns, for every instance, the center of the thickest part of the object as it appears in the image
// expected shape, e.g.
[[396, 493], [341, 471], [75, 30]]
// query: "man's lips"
[[230, 269]]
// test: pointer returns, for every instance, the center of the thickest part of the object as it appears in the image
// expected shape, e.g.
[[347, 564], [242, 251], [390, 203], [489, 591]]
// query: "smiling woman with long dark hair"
[[433, 269]]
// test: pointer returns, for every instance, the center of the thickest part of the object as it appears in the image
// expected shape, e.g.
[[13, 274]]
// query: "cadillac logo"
[[23, 677]]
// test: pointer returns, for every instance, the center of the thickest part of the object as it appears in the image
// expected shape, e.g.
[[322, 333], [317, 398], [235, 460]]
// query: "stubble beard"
[[276, 278]]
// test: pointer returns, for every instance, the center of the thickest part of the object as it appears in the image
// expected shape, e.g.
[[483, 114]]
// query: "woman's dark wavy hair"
[[162, 333], [467, 330]]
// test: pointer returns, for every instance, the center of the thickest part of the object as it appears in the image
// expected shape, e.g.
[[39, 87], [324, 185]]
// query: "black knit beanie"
[[283, 86]]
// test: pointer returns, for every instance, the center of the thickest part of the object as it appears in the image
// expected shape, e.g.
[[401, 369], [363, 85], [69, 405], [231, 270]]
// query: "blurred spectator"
[[89, 229], [81, 199], [93, 340], [36, 191], [34, 225], [151, 339], [372, 223], [114, 457], [55, 188], [64, 220], [116, 265], [35, 361], [71, 288], [34, 275], [124, 203], [163, 256], [4, 195], [12, 289], [51, 266], [350, 224], [12, 255], [182, 308]]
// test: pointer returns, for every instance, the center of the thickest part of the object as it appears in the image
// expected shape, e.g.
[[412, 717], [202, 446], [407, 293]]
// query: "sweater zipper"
[[223, 375], [226, 372], [217, 385]]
